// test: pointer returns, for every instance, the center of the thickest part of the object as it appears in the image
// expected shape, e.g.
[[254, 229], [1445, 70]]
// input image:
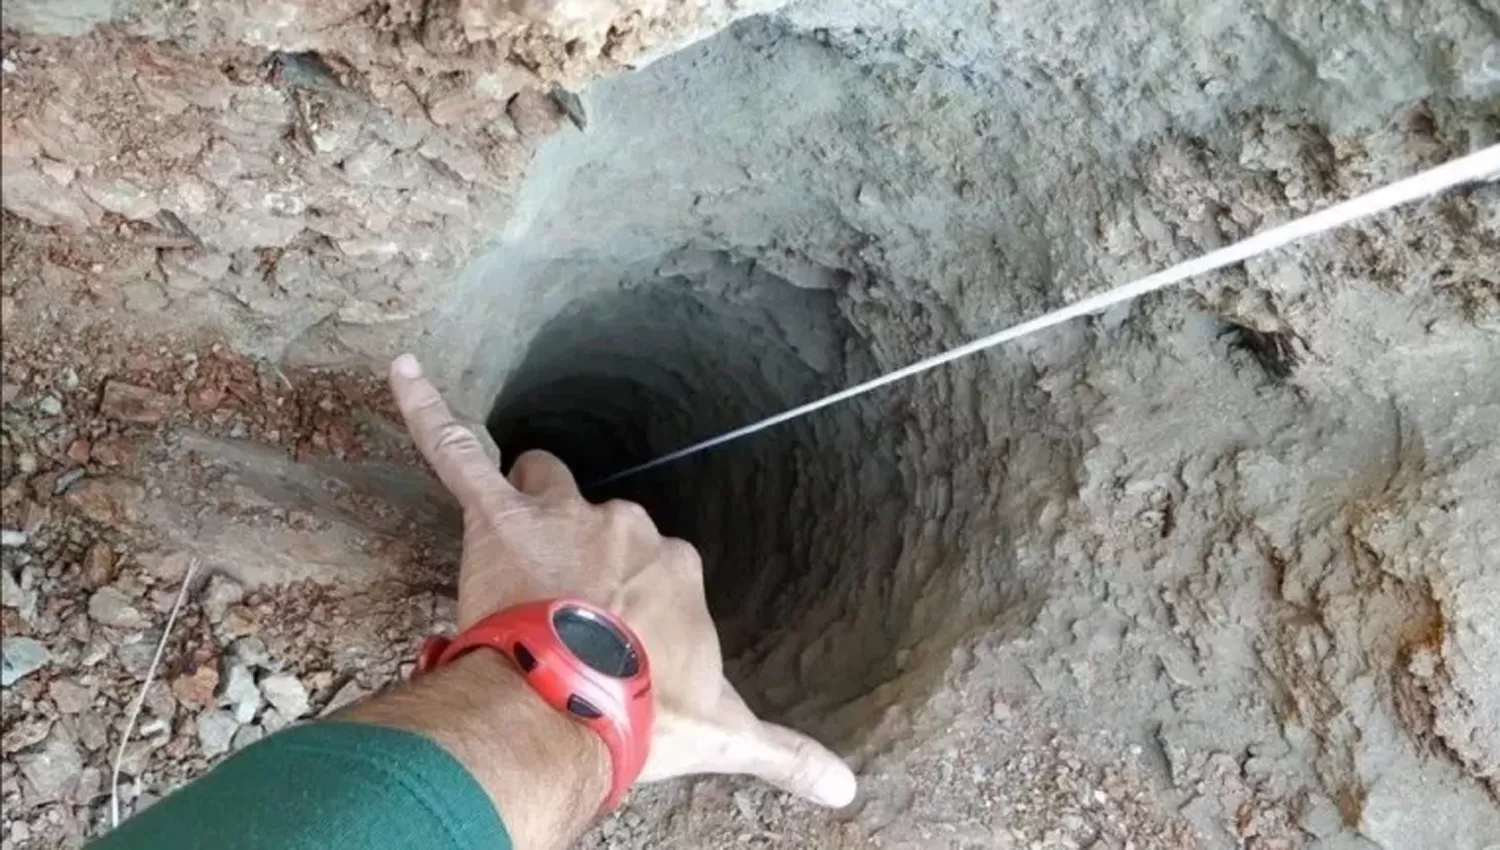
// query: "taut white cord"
[[1482, 165], [140, 698]]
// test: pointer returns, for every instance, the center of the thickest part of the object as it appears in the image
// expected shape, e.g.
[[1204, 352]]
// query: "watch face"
[[596, 643]]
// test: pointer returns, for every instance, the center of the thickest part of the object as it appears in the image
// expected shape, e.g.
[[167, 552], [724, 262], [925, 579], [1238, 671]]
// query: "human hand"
[[533, 536]]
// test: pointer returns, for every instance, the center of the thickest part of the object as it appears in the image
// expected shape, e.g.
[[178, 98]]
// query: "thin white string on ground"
[[140, 698], [1482, 165]]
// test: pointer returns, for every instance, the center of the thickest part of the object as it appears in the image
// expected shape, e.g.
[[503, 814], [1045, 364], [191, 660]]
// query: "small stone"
[[287, 694], [11, 594], [136, 656], [110, 606], [346, 695], [98, 566], [167, 568], [130, 403], [67, 479], [240, 693], [93, 731], [272, 721], [21, 656], [50, 406], [26, 733], [220, 593], [90, 786], [26, 463], [70, 697], [54, 770], [196, 689], [252, 652], [113, 451], [12, 539], [246, 736], [79, 451], [216, 729], [108, 500], [239, 621], [160, 701]]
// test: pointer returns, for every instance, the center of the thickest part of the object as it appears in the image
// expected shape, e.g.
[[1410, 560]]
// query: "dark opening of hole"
[[621, 377]]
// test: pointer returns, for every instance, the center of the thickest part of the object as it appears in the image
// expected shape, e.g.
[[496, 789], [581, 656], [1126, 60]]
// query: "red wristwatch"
[[583, 661]]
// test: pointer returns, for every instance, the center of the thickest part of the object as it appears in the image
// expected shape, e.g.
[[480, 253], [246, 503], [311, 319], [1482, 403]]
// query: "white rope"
[[1482, 165], [140, 698]]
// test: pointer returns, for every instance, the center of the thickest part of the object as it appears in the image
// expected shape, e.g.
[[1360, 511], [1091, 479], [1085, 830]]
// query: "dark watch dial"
[[596, 643]]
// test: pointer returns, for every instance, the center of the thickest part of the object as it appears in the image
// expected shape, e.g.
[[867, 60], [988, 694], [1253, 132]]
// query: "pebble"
[[11, 594], [26, 463], [240, 693], [216, 729], [66, 480], [252, 652], [220, 593], [287, 694], [246, 736], [136, 656], [54, 769], [99, 565], [130, 403], [22, 656], [110, 606], [196, 689], [50, 405], [347, 695], [12, 539], [70, 697]]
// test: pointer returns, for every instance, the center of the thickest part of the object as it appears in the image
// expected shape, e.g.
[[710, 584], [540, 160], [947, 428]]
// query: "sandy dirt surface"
[[1217, 569]]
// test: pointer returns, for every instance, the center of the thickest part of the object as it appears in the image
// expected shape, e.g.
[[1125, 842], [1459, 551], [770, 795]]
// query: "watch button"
[[524, 659], [581, 708]]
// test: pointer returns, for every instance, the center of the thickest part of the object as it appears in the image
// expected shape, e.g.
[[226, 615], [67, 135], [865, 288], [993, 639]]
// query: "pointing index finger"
[[453, 451]]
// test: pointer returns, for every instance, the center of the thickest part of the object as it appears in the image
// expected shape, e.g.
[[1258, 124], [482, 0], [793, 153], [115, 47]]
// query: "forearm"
[[546, 774]]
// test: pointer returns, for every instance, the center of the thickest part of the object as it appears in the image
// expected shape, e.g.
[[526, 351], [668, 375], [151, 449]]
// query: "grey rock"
[[67, 480], [347, 695], [12, 539], [50, 405], [246, 736], [93, 731], [22, 656], [53, 770], [216, 729], [90, 785], [240, 693], [272, 721], [252, 652], [220, 593], [11, 594], [287, 694], [110, 606], [136, 655], [70, 697]]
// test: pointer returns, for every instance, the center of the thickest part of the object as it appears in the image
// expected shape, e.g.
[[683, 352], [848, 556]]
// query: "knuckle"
[[622, 511], [452, 438], [683, 555]]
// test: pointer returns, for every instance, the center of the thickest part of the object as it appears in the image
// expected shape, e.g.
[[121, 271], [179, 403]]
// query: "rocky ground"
[[124, 461]]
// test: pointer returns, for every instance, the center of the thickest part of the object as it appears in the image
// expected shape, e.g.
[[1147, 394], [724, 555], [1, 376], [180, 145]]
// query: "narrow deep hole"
[[620, 377]]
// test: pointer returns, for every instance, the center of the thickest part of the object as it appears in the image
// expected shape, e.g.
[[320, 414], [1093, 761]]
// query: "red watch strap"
[[616, 704]]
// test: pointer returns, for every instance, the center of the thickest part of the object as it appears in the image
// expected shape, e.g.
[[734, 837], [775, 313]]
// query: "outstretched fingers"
[[454, 452]]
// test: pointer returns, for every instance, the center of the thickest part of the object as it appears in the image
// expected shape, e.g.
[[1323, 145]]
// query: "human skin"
[[533, 536]]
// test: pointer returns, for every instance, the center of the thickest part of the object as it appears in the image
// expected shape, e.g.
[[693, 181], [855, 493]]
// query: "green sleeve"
[[329, 786]]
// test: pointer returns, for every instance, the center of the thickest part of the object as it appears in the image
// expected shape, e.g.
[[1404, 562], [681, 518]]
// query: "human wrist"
[[546, 774]]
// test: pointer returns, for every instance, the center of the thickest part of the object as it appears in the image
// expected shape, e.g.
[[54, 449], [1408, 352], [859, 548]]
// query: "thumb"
[[796, 763]]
